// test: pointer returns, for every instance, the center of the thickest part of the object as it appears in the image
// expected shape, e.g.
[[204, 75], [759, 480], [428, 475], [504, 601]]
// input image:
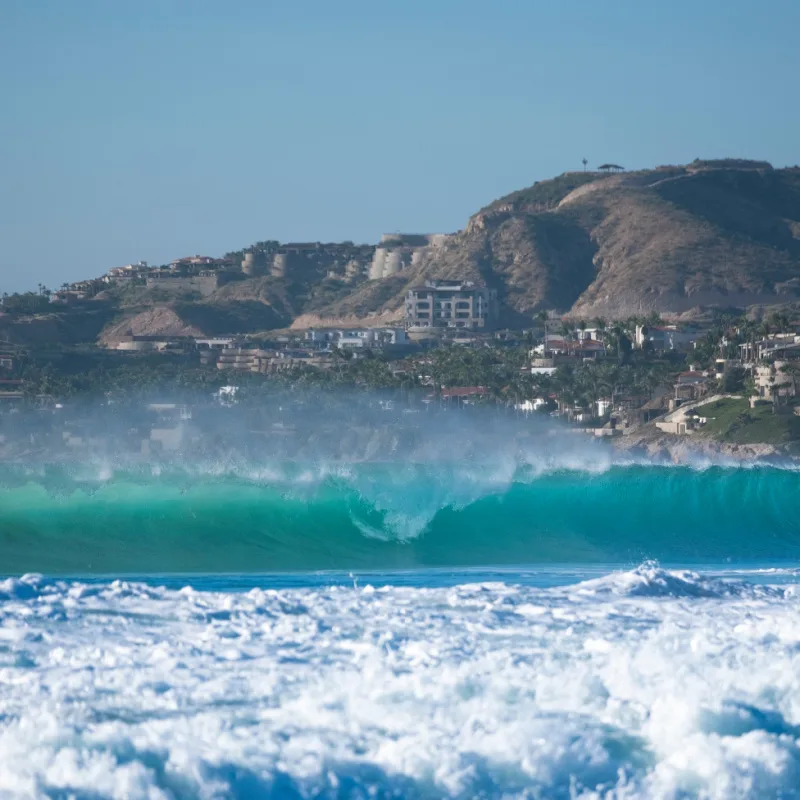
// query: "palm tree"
[[792, 369], [782, 322], [541, 318], [617, 332]]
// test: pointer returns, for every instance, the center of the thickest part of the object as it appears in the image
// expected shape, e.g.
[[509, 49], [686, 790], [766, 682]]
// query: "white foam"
[[643, 684]]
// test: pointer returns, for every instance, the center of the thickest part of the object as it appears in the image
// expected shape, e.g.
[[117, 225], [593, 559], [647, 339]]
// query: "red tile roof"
[[464, 391]]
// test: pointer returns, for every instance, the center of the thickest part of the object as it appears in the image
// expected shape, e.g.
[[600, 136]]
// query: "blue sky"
[[152, 129]]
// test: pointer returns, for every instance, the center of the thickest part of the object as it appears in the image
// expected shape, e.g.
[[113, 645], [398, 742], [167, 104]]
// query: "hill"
[[674, 239]]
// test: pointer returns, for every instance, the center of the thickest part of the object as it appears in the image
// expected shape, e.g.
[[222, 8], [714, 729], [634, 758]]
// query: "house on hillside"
[[786, 350], [197, 261], [592, 334], [691, 385], [370, 337], [779, 345], [664, 338], [129, 272], [773, 382], [560, 346]]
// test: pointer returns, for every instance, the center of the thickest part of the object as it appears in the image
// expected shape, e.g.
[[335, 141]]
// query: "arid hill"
[[680, 240], [673, 239]]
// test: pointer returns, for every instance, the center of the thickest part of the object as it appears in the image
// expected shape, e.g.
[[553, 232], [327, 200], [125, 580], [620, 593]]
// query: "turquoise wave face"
[[72, 520]]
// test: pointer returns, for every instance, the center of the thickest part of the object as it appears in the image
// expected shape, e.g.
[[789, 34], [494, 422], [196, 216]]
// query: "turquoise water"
[[405, 630], [83, 520]]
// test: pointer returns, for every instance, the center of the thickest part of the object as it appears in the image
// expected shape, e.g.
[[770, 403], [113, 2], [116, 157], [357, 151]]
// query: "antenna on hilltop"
[[584, 162]]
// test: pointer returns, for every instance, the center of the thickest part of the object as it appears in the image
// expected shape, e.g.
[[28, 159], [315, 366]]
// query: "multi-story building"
[[451, 304], [127, 273]]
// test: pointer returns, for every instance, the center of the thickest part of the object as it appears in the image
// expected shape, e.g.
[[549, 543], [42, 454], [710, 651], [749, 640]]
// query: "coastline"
[[652, 443]]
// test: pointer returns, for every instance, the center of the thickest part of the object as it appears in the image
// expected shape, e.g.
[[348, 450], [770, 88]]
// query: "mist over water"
[[363, 486]]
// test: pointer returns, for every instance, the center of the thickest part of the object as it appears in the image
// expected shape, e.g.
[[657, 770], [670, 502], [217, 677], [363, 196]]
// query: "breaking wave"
[[77, 520]]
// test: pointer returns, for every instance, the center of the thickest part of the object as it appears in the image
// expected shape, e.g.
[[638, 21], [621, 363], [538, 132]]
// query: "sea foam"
[[648, 683]]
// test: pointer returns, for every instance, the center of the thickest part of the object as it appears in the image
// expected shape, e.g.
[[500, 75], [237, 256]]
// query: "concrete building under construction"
[[451, 304], [254, 263], [398, 251]]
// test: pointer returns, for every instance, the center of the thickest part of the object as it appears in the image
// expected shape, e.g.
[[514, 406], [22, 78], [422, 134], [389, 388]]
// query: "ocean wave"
[[651, 580], [398, 516], [645, 683]]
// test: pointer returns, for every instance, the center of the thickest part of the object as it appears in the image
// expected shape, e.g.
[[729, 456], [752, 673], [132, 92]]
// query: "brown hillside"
[[715, 233], [676, 239], [83, 325], [158, 321]]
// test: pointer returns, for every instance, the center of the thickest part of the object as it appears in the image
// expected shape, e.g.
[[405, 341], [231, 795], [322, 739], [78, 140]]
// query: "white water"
[[642, 684]]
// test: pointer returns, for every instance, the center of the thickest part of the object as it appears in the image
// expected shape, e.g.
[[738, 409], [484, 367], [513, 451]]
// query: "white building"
[[595, 334], [529, 406], [664, 337], [370, 337], [130, 271]]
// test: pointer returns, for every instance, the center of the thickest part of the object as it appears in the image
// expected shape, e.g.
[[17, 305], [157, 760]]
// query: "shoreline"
[[652, 443]]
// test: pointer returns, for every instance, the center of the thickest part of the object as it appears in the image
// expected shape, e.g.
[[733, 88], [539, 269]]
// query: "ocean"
[[592, 628]]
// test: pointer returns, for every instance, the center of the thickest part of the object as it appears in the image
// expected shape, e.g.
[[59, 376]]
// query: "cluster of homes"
[[315, 347], [457, 311], [168, 427], [767, 361], [773, 362], [344, 261]]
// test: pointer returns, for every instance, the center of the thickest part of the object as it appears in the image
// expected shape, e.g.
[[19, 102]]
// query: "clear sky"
[[153, 129]]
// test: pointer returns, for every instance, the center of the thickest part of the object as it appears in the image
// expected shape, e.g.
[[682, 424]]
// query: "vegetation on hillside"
[[733, 421], [545, 194], [729, 163], [27, 303]]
